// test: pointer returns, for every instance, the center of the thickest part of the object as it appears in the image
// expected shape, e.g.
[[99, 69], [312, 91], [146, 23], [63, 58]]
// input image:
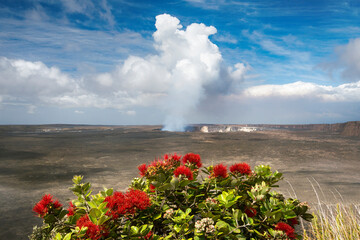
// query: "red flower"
[[192, 159], [45, 205], [93, 231], [219, 171], [175, 157], [40, 209], [56, 204], [185, 171], [139, 199], [47, 199], [143, 169], [121, 204], [117, 204], [293, 221], [149, 236], [242, 168], [287, 229], [152, 188], [71, 209], [172, 160], [250, 212]]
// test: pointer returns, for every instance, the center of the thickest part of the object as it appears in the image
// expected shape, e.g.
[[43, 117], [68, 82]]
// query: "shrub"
[[176, 198]]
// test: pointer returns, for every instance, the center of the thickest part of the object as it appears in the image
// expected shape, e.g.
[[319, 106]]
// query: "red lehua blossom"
[[138, 199], [250, 212], [93, 231], [40, 209], [45, 204], [46, 199], [71, 209], [185, 171], [242, 168], [56, 204], [158, 163], [175, 157], [155, 166], [120, 204], [172, 160], [148, 236], [117, 204], [152, 188], [287, 229], [220, 171], [143, 169], [293, 221], [192, 159]]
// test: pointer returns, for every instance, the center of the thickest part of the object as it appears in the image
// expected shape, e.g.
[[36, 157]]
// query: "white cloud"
[[349, 92], [186, 68], [23, 79], [345, 64], [349, 59]]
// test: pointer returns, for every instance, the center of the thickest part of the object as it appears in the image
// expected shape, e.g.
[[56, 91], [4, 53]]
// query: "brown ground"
[[33, 162]]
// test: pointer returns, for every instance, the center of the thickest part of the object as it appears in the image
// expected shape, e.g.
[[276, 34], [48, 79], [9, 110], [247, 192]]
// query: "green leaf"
[[166, 186], [67, 236], [184, 183], [161, 177], [62, 213], [93, 219], [177, 228], [50, 218], [77, 179], [89, 193], [236, 214], [109, 192], [134, 230], [201, 206], [222, 226], [94, 212], [58, 236], [144, 230], [174, 182], [157, 216], [103, 219], [86, 187], [307, 217]]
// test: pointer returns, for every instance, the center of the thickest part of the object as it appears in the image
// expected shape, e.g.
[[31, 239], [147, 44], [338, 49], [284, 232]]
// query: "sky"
[[126, 62]]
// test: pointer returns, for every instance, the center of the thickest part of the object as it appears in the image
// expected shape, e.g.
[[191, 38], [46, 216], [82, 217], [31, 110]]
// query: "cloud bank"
[[186, 68], [349, 92]]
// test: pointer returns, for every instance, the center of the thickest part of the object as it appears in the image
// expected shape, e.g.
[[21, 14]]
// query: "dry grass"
[[333, 221]]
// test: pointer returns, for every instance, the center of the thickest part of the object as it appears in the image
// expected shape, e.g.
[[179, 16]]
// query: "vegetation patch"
[[177, 198]]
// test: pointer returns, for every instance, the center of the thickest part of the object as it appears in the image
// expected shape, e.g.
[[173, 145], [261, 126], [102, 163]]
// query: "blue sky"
[[179, 62]]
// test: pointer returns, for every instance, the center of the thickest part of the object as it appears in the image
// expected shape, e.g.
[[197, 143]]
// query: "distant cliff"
[[351, 129], [345, 129]]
